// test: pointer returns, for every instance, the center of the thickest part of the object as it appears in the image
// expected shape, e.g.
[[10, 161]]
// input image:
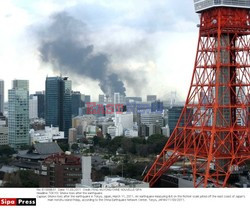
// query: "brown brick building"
[[60, 170]]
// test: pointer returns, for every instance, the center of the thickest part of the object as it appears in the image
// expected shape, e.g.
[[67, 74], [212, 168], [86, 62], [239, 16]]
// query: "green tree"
[[64, 146], [128, 146], [75, 147], [103, 143], [6, 150], [108, 137], [12, 180], [142, 150], [156, 142], [29, 178], [4, 159], [25, 147], [22, 178], [130, 170], [96, 140], [114, 144], [137, 140]]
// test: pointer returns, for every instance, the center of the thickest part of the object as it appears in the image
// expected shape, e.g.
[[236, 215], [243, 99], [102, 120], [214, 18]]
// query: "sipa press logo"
[[17, 201]]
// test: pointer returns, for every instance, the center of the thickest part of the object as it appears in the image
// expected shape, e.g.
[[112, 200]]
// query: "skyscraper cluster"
[[58, 105]]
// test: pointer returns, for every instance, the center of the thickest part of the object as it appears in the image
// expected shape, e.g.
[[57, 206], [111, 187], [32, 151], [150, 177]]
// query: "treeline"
[[6, 153], [136, 146], [21, 178]]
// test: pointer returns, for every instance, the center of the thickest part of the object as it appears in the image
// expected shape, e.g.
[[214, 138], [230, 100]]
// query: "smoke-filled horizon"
[[64, 45]]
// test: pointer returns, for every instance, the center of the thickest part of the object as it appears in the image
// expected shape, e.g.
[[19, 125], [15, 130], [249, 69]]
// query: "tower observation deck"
[[201, 5]]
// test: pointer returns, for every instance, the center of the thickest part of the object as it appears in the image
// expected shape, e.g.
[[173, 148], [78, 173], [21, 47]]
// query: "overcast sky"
[[149, 44]]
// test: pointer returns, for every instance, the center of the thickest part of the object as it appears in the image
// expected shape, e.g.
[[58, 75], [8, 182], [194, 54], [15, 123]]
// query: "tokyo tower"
[[213, 131]]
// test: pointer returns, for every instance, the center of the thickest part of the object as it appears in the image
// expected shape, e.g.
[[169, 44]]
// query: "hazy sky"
[[149, 44]]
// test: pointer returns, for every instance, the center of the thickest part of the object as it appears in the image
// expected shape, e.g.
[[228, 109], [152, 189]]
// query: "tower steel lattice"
[[215, 136]]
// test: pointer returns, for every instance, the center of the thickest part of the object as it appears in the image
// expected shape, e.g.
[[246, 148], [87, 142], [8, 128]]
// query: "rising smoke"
[[64, 45]]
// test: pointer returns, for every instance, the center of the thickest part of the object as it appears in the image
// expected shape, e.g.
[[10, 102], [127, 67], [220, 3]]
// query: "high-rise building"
[[67, 112], [154, 129], [138, 107], [125, 119], [1, 96], [58, 103], [72, 136], [152, 118], [76, 103], [173, 117], [87, 99], [151, 98], [174, 114], [117, 98], [143, 130], [18, 123], [3, 120], [101, 99], [157, 106], [33, 107], [3, 136], [3, 130], [41, 104], [165, 131]]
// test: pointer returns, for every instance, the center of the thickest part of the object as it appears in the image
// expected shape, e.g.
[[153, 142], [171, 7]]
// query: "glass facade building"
[[41, 104], [175, 113], [77, 103], [157, 106], [67, 106], [18, 108], [58, 103]]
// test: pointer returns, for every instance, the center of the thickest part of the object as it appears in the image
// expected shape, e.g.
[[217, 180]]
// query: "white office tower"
[[33, 107], [114, 131], [125, 119], [122, 123], [101, 99], [166, 131], [86, 172], [72, 136], [117, 98], [1, 96], [19, 114]]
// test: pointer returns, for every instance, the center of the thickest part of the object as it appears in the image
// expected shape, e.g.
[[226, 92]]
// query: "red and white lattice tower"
[[215, 136]]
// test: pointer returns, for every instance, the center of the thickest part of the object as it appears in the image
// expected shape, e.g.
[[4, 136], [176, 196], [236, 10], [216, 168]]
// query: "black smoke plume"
[[64, 44]]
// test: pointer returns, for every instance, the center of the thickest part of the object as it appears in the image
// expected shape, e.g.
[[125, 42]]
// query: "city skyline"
[[77, 118], [173, 95], [138, 47]]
